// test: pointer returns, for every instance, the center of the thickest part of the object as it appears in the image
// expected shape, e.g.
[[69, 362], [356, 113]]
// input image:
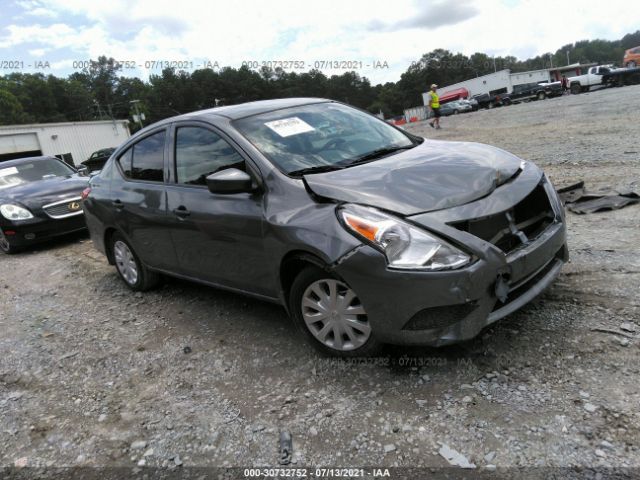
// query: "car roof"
[[19, 161], [234, 112]]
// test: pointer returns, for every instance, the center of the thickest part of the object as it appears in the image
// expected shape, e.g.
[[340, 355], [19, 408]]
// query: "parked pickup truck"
[[535, 91], [486, 100], [604, 76]]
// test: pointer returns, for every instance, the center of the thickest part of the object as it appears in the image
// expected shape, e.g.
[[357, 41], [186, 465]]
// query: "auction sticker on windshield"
[[289, 126]]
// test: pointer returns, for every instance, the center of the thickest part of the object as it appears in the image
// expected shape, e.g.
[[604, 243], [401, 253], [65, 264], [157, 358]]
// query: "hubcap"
[[334, 315], [4, 243], [125, 262]]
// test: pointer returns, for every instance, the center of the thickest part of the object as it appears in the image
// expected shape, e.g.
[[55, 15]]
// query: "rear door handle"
[[181, 212], [118, 204]]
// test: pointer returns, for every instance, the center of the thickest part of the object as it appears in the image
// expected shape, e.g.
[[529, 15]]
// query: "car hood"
[[35, 194], [432, 176]]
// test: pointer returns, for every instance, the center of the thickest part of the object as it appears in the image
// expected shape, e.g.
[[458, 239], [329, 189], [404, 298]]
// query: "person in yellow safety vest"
[[434, 106]]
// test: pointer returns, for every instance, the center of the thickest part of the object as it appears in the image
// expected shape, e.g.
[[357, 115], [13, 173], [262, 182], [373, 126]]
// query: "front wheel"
[[631, 64], [131, 270], [331, 315], [541, 95], [575, 89]]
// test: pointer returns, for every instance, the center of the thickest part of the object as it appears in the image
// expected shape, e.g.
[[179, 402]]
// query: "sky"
[[378, 39]]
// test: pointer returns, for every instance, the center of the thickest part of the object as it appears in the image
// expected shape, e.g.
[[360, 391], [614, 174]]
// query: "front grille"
[[515, 227], [63, 209]]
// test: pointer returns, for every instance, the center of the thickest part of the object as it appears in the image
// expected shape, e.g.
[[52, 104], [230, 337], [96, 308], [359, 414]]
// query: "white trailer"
[[501, 81]]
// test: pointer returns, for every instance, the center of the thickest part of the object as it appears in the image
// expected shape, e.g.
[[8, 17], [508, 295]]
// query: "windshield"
[[32, 172], [321, 136]]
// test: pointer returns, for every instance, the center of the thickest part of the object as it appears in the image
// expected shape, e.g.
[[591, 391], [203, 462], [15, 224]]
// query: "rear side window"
[[201, 152], [148, 158]]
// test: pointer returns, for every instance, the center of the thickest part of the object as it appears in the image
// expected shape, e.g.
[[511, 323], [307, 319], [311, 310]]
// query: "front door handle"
[[181, 212], [118, 204]]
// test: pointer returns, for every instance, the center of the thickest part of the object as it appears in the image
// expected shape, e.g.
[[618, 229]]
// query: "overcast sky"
[[369, 32]]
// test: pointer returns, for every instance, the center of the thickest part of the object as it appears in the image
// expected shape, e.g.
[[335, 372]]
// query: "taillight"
[[85, 193]]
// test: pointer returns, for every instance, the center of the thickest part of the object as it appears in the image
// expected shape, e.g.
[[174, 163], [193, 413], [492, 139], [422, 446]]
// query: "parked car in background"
[[604, 76], [535, 91], [97, 159], [455, 107], [365, 232], [631, 57], [39, 199], [486, 100]]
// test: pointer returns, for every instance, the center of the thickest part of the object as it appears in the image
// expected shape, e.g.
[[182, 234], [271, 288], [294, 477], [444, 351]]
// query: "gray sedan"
[[365, 233]]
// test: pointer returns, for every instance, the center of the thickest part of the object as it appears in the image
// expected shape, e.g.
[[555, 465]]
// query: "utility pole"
[[494, 64], [551, 60], [137, 118], [568, 62], [99, 109]]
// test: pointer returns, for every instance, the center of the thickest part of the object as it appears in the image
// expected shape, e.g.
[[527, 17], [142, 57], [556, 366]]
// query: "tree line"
[[101, 92]]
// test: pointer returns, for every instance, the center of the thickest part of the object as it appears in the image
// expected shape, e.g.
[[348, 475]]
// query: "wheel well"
[[108, 233], [292, 264]]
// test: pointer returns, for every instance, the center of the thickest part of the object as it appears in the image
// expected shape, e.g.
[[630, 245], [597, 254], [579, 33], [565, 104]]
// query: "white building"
[[74, 142]]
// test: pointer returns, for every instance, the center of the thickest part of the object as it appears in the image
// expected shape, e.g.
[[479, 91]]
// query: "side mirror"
[[230, 180], [83, 170]]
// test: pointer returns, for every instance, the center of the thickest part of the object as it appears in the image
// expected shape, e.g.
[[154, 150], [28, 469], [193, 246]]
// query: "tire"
[[631, 64], [455, 112], [131, 270], [576, 89], [541, 96], [5, 246], [491, 105], [309, 289]]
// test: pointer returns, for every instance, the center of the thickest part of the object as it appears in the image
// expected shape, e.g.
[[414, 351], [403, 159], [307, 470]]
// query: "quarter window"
[[125, 162], [201, 152]]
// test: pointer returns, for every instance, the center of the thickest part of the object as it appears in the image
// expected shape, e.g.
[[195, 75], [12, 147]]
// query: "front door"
[[217, 237]]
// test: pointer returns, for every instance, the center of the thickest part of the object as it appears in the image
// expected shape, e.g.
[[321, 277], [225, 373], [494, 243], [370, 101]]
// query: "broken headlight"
[[404, 245]]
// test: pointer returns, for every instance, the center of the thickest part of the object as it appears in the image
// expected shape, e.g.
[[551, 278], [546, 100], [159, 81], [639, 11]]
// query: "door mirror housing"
[[230, 180], [82, 170]]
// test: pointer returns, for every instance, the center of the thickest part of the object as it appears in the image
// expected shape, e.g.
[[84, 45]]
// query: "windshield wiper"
[[316, 169], [375, 154]]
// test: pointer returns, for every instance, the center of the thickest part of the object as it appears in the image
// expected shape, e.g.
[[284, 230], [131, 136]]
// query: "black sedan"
[[364, 232], [40, 198], [97, 159]]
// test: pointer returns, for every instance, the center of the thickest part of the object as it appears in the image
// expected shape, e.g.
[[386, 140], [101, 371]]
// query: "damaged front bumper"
[[444, 307]]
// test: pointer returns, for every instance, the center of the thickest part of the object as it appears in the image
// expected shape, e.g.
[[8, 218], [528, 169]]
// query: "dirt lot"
[[92, 374]]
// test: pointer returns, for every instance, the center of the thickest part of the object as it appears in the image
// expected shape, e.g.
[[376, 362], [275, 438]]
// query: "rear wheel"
[[331, 315], [134, 274], [631, 64], [541, 96]]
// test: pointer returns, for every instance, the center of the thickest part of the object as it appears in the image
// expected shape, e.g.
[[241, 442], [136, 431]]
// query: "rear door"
[[139, 200], [217, 237]]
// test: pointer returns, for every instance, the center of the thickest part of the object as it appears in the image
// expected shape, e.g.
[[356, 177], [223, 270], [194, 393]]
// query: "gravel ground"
[[92, 374]]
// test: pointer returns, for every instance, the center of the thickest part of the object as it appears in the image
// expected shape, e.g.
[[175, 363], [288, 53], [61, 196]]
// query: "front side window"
[[321, 135], [201, 152], [148, 158]]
